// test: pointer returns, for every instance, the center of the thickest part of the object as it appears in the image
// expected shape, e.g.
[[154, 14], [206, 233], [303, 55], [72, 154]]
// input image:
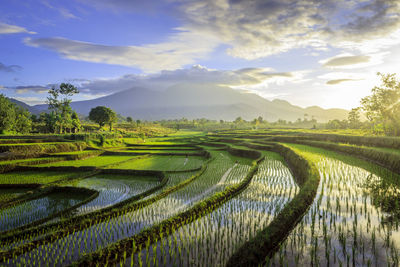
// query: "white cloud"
[[350, 61], [182, 48], [338, 81], [240, 78], [134, 6], [251, 28], [9, 68], [30, 100], [345, 60], [30, 88], [259, 28], [196, 74], [8, 29], [61, 10], [275, 85], [332, 78]]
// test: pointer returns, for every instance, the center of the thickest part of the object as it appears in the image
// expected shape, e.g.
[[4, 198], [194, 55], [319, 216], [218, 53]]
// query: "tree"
[[354, 118], [103, 115], [383, 106], [76, 123], [238, 120], [23, 122], [49, 120], [137, 123], [59, 101], [281, 122], [142, 136], [255, 122], [7, 114], [13, 118], [34, 118], [333, 124], [129, 119], [337, 124]]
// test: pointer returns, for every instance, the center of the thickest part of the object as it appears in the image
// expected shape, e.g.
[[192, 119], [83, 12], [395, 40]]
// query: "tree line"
[[13, 118], [60, 119], [381, 108]]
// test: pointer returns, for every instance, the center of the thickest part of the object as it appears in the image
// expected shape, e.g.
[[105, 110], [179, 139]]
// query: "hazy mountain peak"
[[201, 100], [280, 101]]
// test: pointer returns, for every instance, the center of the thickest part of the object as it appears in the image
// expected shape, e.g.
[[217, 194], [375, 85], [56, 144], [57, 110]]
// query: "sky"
[[308, 52]]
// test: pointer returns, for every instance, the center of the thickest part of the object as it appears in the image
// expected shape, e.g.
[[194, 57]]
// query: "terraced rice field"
[[95, 161], [34, 177], [246, 202], [212, 239], [159, 151], [37, 209], [127, 224], [7, 194], [343, 225], [162, 163], [112, 189]]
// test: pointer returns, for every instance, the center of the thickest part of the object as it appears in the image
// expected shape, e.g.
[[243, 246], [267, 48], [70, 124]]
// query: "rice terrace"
[[228, 198]]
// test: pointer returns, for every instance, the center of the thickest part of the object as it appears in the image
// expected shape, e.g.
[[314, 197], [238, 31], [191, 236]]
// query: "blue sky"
[[308, 52]]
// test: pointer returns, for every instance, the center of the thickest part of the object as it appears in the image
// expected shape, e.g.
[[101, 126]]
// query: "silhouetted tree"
[[354, 118], [238, 120], [383, 106]]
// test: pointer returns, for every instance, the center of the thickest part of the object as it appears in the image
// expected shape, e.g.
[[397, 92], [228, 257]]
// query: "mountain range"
[[194, 101]]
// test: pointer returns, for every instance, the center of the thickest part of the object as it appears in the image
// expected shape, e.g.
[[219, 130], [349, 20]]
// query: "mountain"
[[201, 101], [31, 109]]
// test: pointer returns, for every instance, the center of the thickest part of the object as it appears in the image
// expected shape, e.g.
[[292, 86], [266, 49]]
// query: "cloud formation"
[[195, 74], [64, 12], [30, 100], [240, 78], [251, 28], [134, 6], [345, 60], [9, 29], [259, 28], [182, 48], [30, 89], [334, 78], [10, 68], [350, 61], [333, 82]]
